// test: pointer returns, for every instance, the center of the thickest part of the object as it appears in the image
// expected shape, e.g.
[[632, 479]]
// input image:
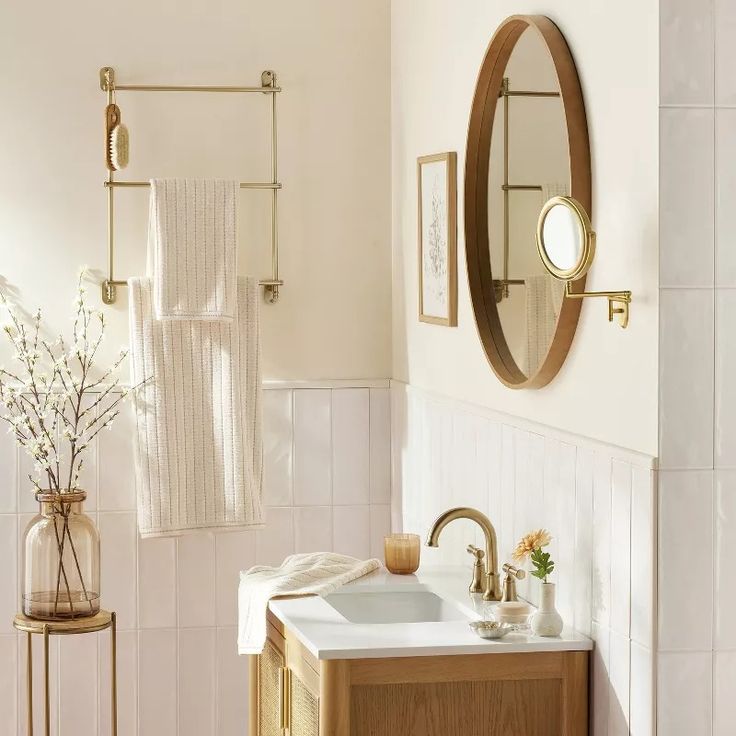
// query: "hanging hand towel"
[[198, 453], [315, 573], [192, 248]]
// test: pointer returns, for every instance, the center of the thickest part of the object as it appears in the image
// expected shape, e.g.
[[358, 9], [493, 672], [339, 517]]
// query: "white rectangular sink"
[[396, 607]]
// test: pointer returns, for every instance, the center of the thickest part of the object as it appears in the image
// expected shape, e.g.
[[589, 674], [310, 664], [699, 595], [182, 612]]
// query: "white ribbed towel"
[[198, 450], [315, 573], [193, 248]]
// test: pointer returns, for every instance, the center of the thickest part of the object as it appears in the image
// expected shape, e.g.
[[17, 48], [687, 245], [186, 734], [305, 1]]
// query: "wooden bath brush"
[[116, 139]]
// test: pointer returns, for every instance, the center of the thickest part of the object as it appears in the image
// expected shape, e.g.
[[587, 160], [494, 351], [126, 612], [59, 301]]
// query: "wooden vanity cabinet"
[[526, 694], [284, 687]]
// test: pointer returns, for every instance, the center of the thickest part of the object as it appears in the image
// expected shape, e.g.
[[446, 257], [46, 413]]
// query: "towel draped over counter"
[[314, 573]]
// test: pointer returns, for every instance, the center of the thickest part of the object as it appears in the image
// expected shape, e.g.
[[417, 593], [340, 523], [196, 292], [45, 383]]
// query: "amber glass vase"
[[61, 561]]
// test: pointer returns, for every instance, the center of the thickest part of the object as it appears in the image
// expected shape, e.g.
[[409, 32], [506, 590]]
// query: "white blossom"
[[43, 395]]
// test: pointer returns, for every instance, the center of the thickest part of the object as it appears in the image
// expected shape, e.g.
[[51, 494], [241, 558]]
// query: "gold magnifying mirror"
[[566, 245]]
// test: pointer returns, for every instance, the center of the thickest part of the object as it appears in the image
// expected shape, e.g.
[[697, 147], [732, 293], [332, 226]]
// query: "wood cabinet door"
[[271, 677], [303, 708]]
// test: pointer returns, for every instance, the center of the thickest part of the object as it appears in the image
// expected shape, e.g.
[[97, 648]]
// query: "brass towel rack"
[[268, 87]]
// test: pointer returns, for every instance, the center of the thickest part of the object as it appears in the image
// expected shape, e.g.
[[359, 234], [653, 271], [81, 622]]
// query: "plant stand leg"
[[47, 697], [114, 674], [29, 681]]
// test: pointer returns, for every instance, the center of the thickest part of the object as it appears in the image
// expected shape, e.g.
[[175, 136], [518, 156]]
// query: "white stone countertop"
[[327, 634]]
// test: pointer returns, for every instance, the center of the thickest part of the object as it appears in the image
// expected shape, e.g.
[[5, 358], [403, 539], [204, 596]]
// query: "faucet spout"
[[492, 591]]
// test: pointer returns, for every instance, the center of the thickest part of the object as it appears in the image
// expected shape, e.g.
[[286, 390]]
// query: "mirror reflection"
[[563, 239], [529, 164]]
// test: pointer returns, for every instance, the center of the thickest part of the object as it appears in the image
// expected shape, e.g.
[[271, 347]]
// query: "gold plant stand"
[[101, 621]]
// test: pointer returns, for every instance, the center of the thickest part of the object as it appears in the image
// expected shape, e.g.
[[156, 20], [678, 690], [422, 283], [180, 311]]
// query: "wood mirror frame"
[[477, 163]]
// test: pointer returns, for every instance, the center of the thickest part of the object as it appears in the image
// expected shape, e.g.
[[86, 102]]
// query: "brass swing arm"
[[621, 298]]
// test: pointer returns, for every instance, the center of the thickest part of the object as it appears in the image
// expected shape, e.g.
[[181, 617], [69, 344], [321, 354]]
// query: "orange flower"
[[530, 542]]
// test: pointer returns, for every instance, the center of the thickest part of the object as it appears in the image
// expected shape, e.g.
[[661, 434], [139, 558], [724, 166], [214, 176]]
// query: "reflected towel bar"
[[268, 86]]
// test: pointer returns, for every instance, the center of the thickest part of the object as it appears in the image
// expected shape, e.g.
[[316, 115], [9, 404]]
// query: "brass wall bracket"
[[618, 302], [107, 79]]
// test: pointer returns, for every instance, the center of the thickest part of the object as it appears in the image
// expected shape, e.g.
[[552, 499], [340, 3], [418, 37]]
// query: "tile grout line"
[[292, 445], [370, 451], [631, 539], [332, 465], [654, 600], [178, 632], [98, 489], [137, 622], [214, 719], [715, 371], [698, 287]]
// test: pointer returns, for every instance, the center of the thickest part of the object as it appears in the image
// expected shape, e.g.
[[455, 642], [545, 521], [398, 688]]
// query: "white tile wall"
[[686, 195], [724, 23], [725, 185], [597, 500], [686, 52], [697, 511], [684, 693], [327, 466], [686, 378], [685, 554]]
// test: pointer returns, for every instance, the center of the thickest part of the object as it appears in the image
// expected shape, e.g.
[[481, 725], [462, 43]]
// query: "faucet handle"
[[509, 582], [516, 572], [479, 569], [479, 554]]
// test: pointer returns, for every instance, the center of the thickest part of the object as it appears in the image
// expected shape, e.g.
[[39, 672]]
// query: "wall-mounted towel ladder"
[[268, 87]]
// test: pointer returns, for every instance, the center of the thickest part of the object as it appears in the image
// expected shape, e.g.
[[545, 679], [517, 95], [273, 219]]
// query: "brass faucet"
[[492, 589]]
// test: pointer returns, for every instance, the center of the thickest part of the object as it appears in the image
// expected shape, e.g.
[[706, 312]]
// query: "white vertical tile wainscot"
[[327, 487], [598, 501]]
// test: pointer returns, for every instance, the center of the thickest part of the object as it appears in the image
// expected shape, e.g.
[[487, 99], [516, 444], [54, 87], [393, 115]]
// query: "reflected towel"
[[192, 248], [544, 295], [315, 573], [198, 450], [553, 189]]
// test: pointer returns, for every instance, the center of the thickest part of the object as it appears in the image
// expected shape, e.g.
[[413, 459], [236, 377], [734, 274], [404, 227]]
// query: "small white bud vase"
[[546, 621]]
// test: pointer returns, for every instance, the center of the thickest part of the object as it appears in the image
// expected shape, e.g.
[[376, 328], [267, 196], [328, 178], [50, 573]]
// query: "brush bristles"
[[119, 147]]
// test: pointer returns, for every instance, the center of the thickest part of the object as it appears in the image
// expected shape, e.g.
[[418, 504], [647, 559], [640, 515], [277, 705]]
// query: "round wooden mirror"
[[527, 143]]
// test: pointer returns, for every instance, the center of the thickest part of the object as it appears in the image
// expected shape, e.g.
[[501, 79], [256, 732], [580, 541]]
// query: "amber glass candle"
[[401, 553]]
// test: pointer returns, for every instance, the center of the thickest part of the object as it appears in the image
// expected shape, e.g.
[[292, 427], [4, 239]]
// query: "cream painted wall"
[[332, 58], [607, 389]]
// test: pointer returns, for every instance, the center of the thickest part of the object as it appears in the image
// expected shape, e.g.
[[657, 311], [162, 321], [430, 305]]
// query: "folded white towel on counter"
[[315, 573], [192, 248], [199, 448]]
